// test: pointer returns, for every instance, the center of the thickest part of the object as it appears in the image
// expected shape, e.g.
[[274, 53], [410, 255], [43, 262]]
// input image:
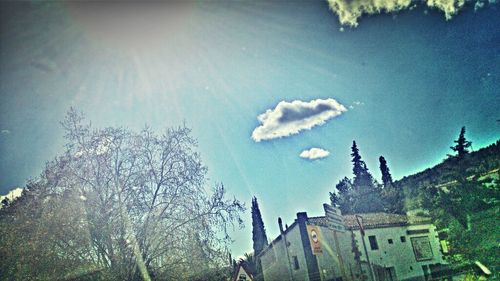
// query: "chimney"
[[302, 217]]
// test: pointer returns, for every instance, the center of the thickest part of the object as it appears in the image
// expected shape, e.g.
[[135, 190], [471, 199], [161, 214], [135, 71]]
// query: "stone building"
[[372, 247]]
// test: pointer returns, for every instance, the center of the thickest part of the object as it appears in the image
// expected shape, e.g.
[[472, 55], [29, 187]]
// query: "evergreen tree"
[[366, 196], [392, 196], [462, 144], [386, 174], [259, 236], [342, 197], [362, 177]]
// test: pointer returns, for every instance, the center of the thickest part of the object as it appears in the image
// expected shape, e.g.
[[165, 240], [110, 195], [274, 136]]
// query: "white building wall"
[[275, 264], [334, 263], [400, 255]]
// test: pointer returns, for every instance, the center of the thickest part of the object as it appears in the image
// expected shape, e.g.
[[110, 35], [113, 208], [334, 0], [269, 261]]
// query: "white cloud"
[[356, 104], [5, 132], [349, 11], [314, 153], [13, 194], [289, 118]]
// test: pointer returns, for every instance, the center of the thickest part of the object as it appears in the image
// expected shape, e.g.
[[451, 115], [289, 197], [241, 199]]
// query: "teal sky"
[[409, 82]]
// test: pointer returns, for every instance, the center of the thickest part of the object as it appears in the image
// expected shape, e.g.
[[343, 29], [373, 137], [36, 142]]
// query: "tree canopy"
[[386, 173], [462, 145], [118, 205], [360, 195]]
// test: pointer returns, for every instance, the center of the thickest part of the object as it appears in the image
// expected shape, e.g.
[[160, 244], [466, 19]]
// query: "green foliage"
[[392, 196], [342, 197], [362, 177], [360, 195], [44, 236], [462, 195], [386, 173], [364, 196], [259, 236], [462, 145], [478, 163], [249, 262]]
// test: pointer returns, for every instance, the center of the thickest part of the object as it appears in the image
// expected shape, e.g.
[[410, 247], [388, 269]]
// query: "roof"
[[374, 220], [237, 271]]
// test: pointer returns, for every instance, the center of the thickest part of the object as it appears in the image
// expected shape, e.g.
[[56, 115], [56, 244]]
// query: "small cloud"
[[314, 153], [289, 118], [5, 132], [356, 104]]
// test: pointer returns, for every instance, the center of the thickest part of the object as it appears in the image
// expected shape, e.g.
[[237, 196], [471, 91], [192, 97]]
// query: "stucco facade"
[[393, 247], [396, 254]]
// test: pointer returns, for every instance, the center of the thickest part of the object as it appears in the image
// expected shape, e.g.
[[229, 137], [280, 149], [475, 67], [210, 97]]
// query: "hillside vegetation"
[[480, 162], [462, 196]]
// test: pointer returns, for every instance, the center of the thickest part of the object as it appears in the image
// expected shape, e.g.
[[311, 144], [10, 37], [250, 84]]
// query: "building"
[[372, 247], [242, 274]]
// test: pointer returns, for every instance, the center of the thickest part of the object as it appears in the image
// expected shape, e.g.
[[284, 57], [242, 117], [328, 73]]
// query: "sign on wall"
[[334, 218], [315, 239], [422, 248]]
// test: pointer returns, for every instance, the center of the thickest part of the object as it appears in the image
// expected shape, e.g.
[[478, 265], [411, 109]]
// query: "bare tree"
[[141, 201]]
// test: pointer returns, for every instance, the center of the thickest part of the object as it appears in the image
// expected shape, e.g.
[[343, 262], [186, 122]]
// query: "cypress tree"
[[362, 177], [386, 173], [366, 196], [392, 196], [259, 236]]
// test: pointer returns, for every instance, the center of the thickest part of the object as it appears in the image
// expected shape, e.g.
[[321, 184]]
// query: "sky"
[[274, 91]]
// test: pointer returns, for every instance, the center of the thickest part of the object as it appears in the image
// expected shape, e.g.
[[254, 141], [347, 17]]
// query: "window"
[[417, 231], [403, 238], [295, 262], [373, 242], [389, 241], [422, 248]]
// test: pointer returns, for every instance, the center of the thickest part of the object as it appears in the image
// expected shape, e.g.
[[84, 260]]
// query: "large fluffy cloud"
[[289, 118], [349, 11], [314, 153]]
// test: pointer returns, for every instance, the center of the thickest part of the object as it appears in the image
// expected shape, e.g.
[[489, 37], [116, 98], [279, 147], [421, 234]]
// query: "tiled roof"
[[321, 221], [374, 220]]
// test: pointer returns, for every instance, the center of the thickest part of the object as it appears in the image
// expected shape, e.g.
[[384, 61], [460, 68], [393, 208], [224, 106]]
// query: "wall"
[[400, 255], [275, 265], [334, 264]]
